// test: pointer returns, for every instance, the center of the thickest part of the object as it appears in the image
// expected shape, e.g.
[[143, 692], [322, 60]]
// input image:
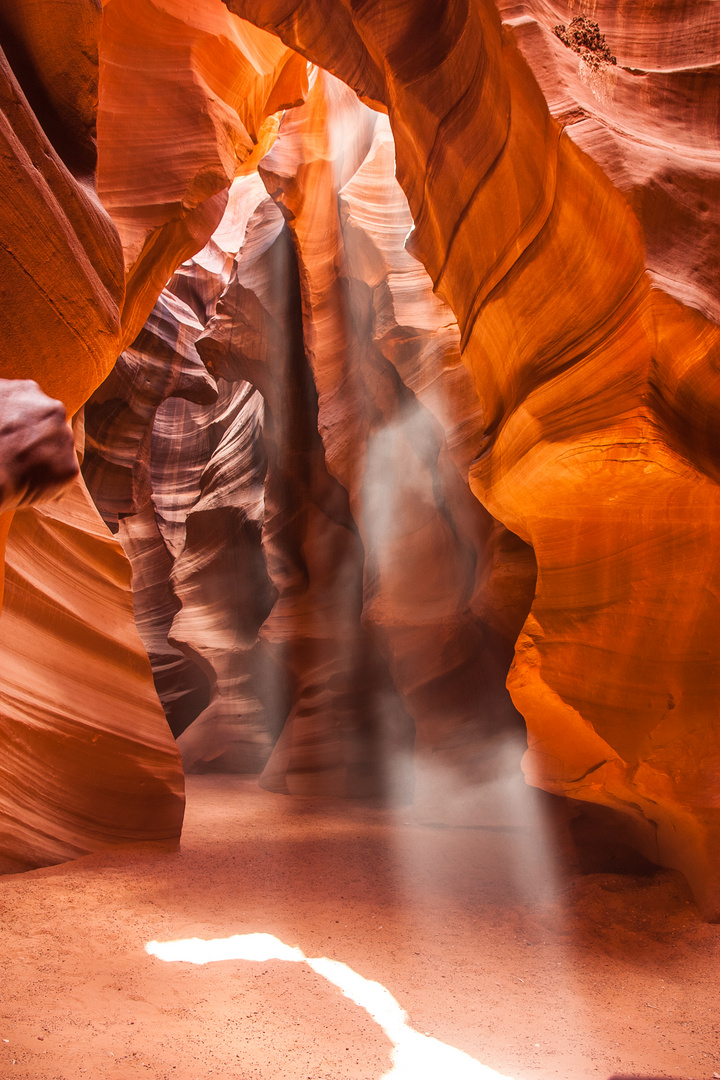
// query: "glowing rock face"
[[71, 782], [588, 374], [65, 315], [186, 93], [556, 207], [365, 588], [88, 759], [319, 657], [60, 262], [384, 359]]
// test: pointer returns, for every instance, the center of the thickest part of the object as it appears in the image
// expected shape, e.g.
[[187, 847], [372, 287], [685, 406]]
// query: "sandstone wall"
[[372, 602], [565, 208], [586, 363], [89, 760]]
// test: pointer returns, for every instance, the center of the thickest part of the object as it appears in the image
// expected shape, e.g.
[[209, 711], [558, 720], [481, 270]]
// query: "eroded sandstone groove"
[[566, 211]]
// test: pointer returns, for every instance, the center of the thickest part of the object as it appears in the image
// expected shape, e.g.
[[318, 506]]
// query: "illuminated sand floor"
[[348, 942]]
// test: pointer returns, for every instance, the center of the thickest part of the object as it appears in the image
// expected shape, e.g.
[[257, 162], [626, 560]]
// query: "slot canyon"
[[360, 539]]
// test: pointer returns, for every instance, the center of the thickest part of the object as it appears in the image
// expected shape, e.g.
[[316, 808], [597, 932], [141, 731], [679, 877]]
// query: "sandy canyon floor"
[[496, 959]]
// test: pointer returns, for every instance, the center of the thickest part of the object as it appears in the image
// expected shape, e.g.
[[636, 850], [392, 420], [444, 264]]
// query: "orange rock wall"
[[66, 314], [342, 724], [88, 759], [384, 356], [567, 213], [386, 615], [61, 262], [186, 93], [585, 369]]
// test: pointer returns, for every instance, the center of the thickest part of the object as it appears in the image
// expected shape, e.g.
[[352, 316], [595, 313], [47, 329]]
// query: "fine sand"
[[490, 947]]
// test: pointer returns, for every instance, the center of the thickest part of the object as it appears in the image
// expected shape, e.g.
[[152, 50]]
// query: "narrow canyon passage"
[[526, 972], [360, 479]]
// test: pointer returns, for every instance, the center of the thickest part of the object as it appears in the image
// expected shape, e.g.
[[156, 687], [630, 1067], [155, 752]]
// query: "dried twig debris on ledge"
[[583, 36]]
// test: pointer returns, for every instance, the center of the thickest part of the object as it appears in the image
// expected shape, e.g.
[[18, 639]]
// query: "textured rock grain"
[[215, 83], [586, 370], [331, 572], [384, 357], [565, 210], [88, 759], [187, 93]]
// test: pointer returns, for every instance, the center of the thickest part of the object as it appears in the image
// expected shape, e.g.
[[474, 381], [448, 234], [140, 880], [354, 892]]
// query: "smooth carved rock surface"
[[88, 759], [585, 369], [187, 97], [116, 466], [37, 448], [175, 465], [164, 471], [61, 262], [266, 567], [587, 372], [650, 123], [65, 316], [385, 361], [567, 213], [79, 772], [219, 576], [344, 726], [331, 571]]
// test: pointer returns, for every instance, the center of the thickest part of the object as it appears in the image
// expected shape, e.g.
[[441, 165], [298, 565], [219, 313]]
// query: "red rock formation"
[[178, 480], [374, 333], [61, 267], [586, 375], [187, 92], [37, 449], [76, 774], [37, 452], [213, 528], [118, 425], [649, 122], [345, 724], [207, 468], [556, 202], [423, 580], [88, 759], [60, 262]]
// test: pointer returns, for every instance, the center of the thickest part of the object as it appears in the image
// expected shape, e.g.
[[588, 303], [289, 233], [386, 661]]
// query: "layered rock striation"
[[188, 93], [565, 208], [369, 610], [88, 759], [585, 367], [65, 262], [384, 357]]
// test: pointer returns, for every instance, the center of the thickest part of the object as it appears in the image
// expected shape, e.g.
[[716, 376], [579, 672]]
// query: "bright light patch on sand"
[[195, 950], [415, 1056]]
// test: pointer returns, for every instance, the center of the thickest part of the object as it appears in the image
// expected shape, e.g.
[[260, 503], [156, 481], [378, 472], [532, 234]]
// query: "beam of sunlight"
[[195, 950], [414, 1056]]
